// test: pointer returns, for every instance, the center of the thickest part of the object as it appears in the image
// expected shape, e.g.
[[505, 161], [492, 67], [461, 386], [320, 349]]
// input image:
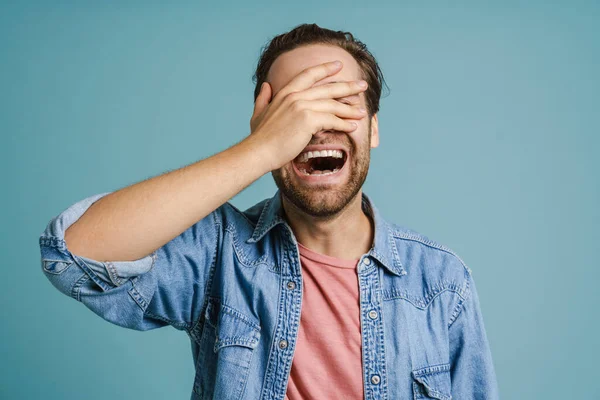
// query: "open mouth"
[[320, 163]]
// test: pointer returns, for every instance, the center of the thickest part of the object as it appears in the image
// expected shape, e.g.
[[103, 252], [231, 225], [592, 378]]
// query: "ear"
[[374, 131]]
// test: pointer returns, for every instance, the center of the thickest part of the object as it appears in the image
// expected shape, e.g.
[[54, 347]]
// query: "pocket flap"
[[232, 327], [56, 266], [433, 381]]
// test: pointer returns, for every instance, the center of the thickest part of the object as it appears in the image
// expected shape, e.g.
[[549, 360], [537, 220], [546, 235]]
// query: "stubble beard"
[[323, 200]]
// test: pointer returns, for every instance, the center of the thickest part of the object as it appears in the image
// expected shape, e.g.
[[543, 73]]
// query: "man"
[[308, 294]]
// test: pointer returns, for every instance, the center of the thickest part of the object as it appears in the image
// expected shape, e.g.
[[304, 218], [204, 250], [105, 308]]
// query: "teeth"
[[321, 173], [323, 153]]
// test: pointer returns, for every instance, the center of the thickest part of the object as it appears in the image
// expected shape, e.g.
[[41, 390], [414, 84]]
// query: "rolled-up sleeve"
[[472, 370], [166, 287]]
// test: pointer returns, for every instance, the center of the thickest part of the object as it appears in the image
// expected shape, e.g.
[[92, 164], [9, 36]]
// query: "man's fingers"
[[335, 107], [330, 122], [262, 101], [310, 76], [263, 98], [334, 90]]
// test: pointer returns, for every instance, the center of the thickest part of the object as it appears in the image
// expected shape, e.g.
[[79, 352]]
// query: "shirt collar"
[[384, 245]]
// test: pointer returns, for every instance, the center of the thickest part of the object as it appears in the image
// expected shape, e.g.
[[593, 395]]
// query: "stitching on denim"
[[459, 306], [245, 375], [363, 278], [275, 221], [455, 312], [431, 369], [432, 244], [425, 301], [419, 373], [46, 261], [143, 302], [395, 250], [275, 267], [75, 290], [260, 230], [217, 302], [416, 304], [180, 325], [277, 362], [102, 284], [188, 327], [240, 339], [112, 273], [240, 254], [241, 213], [416, 390], [138, 298], [235, 341], [238, 314], [53, 242], [217, 309], [261, 217], [376, 278], [195, 327], [394, 265], [399, 271], [284, 359]]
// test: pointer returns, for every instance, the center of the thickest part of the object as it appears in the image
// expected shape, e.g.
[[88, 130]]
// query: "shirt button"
[[373, 314], [283, 344], [367, 261], [291, 285], [375, 379]]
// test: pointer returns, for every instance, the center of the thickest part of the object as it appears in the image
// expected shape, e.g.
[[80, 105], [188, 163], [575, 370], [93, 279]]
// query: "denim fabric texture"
[[233, 283]]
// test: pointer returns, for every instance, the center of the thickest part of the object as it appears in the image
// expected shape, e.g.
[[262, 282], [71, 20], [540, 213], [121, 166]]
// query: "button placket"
[[371, 332], [288, 321]]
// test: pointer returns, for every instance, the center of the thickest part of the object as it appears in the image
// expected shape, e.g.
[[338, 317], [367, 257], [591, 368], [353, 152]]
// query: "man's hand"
[[286, 124]]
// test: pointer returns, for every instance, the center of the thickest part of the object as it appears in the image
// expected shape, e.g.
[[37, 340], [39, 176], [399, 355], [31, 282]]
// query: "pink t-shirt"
[[327, 361]]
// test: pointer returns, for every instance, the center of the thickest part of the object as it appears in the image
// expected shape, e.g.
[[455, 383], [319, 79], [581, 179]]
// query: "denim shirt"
[[233, 283]]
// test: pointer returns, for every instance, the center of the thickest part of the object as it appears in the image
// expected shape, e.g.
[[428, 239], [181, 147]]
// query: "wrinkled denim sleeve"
[[166, 287], [472, 369]]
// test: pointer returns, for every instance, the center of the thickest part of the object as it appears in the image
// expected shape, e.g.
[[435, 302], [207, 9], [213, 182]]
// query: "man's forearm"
[[132, 222]]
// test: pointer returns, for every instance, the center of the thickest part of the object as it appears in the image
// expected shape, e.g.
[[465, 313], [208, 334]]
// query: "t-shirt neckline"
[[325, 259]]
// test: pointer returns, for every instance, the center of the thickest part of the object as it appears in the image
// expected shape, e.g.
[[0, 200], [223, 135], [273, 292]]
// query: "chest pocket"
[[227, 344], [432, 382]]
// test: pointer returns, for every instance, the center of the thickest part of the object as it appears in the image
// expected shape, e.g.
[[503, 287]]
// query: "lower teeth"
[[321, 173]]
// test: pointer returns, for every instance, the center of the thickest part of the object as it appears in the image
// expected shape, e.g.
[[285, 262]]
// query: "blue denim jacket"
[[233, 283]]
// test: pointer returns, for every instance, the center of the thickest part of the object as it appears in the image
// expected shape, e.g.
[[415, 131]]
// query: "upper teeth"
[[323, 153]]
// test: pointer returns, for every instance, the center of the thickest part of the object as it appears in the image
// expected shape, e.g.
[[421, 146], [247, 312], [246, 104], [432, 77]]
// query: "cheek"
[[360, 136]]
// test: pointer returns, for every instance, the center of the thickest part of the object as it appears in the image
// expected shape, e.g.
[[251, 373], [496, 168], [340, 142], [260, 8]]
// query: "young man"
[[308, 294]]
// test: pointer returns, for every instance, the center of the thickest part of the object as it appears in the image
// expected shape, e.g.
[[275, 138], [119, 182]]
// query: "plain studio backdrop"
[[489, 145]]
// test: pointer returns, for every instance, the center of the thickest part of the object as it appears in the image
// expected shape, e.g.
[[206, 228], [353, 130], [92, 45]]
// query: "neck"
[[347, 235]]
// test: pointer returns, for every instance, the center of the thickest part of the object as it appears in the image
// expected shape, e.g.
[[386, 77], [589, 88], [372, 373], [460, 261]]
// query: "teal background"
[[489, 145]]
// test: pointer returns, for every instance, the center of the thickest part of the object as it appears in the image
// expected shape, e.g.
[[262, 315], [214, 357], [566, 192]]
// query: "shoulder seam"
[[432, 244]]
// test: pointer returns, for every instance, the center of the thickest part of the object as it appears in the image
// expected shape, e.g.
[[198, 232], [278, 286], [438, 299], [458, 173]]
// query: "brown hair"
[[306, 34]]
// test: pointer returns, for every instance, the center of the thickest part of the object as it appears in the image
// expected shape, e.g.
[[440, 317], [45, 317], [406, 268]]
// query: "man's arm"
[[156, 210], [115, 261], [141, 257], [471, 366]]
